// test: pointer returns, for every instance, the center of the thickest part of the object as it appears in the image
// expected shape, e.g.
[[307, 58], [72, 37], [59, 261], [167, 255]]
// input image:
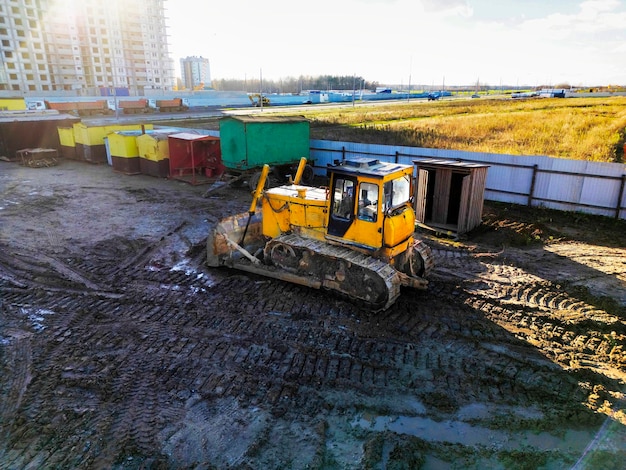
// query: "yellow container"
[[68, 142], [12, 104], [90, 139], [124, 144], [124, 152], [154, 154]]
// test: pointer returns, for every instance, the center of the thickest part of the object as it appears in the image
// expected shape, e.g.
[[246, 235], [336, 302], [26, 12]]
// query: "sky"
[[401, 42]]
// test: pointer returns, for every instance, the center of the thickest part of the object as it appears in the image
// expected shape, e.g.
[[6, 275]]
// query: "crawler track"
[[354, 275]]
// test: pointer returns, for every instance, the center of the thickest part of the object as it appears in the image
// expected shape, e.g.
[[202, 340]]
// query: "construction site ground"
[[120, 349]]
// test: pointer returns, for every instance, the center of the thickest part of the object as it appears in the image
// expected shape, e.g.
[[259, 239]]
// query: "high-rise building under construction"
[[84, 46]]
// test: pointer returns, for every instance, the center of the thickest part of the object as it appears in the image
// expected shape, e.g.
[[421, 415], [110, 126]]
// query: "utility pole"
[[117, 108], [261, 88], [408, 97]]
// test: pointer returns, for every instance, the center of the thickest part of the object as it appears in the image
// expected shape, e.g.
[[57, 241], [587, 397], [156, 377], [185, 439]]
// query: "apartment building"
[[84, 46], [195, 72]]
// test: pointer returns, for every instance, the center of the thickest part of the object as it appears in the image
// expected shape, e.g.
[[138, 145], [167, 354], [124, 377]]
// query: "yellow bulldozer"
[[355, 237], [257, 100]]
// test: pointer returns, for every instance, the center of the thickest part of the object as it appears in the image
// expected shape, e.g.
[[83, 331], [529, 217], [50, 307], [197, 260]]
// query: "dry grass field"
[[578, 128]]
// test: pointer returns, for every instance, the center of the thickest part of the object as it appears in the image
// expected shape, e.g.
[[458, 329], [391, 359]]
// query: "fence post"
[[620, 196], [343, 154], [532, 185], [397, 156]]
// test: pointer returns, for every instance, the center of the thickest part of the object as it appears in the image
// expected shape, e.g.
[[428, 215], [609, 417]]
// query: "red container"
[[194, 158]]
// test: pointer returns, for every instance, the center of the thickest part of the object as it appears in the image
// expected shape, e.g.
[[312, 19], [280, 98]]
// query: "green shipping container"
[[249, 142]]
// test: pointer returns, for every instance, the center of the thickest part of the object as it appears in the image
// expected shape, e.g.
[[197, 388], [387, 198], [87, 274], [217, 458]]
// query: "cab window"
[[368, 202], [343, 198], [397, 192]]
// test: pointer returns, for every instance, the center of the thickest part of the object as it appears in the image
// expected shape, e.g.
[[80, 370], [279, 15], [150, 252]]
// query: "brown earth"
[[120, 349]]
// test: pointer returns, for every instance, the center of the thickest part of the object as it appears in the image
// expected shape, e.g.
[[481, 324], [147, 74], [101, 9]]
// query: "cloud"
[[594, 16], [444, 5], [593, 7]]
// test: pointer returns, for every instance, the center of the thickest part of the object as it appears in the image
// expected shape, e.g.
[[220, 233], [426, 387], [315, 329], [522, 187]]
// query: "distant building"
[[84, 45], [196, 72]]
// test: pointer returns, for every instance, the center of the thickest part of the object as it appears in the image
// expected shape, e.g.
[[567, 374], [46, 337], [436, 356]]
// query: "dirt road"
[[120, 349]]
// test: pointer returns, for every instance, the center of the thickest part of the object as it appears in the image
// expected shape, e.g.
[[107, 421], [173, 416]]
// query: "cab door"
[[342, 203], [367, 227], [355, 212]]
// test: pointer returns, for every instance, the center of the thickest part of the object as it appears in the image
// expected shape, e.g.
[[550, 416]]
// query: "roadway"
[[217, 112]]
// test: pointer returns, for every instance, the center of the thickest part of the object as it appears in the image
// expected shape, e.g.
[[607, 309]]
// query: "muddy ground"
[[120, 349]]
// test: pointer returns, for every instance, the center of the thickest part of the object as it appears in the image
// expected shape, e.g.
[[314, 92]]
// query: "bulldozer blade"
[[225, 242], [224, 182]]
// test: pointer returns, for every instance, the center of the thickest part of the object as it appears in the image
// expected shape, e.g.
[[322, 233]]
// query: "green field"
[[578, 128]]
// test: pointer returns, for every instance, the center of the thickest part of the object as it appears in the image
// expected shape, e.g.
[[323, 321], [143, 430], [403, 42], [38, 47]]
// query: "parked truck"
[[140, 106], [172, 106], [79, 108]]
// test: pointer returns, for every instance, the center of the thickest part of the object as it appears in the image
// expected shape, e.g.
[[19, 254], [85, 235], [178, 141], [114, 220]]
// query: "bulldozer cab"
[[370, 204]]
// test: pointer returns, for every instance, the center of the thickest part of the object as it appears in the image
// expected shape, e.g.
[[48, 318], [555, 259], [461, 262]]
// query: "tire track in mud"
[[231, 366], [16, 368], [574, 334], [111, 372]]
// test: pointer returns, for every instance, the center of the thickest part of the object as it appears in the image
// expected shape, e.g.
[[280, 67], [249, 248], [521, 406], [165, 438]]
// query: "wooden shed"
[[31, 129], [449, 195]]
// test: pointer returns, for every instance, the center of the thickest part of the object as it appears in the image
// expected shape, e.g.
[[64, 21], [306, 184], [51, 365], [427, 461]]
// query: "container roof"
[[247, 118], [190, 136]]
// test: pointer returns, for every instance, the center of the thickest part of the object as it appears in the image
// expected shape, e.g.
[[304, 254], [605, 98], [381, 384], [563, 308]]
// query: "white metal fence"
[[570, 185]]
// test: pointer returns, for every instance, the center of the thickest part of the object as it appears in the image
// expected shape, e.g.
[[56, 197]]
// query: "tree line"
[[293, 84]]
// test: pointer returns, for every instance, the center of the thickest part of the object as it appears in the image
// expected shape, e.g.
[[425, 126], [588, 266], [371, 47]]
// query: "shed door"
[[441, 195], [420, 195], [464, 205]]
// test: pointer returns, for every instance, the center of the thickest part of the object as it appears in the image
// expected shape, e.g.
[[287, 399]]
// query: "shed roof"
[[30, 116], [451, 164]]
